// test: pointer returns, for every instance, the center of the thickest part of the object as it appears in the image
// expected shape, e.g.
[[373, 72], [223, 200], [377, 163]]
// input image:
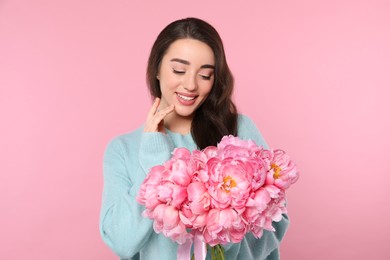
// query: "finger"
[[160, 115], [166, 111], [155, 122], [154, 108]]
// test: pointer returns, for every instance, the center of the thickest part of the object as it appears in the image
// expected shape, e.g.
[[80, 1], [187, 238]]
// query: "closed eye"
[[178, 71], [206, 77]]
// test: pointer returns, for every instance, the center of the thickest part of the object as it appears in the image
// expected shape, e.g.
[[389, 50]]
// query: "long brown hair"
[[217, 116]]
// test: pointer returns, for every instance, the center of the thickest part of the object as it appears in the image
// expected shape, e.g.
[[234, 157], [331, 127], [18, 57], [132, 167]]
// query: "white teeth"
[[186, 98]]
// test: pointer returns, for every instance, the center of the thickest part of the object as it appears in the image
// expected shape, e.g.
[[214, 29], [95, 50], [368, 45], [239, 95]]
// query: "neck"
[[178, 124]]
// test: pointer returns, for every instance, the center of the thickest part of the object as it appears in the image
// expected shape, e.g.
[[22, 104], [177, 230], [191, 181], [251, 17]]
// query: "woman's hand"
[[155, 119]]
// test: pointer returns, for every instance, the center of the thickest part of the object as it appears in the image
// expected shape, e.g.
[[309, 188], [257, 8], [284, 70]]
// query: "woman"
[[192, 85]]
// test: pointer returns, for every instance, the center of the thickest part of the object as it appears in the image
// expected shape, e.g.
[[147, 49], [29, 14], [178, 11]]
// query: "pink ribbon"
[[200, 250]]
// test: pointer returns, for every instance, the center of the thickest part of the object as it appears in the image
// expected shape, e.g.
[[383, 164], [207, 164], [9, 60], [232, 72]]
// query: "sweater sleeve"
[[122, 226], [267, 247]]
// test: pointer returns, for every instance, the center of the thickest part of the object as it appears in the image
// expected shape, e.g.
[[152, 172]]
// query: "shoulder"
[[247, 129], [244, 120], [124, 142], [245, 125]]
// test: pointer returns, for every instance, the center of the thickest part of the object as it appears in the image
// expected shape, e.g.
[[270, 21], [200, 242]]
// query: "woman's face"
[[186, 75]]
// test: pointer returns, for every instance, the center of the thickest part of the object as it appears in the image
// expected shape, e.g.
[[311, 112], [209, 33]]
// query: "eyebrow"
[[186, 62]]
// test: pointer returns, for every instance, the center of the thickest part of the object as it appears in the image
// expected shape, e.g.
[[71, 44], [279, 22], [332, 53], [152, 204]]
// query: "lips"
[[186, 99]]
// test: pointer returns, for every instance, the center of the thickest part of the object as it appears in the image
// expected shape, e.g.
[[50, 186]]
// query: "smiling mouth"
[[186, 98]]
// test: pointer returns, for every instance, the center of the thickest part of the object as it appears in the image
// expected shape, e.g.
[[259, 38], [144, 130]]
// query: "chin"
[[186, 113]]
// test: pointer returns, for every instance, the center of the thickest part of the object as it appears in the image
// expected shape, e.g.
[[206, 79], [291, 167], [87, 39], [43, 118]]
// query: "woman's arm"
[[122, 226], [127, 160]]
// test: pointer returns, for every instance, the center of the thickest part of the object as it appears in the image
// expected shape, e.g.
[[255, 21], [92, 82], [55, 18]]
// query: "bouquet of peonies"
[[216, 195]]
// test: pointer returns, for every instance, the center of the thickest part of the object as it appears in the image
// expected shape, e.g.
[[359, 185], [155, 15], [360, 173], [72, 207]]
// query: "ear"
[[158, 77]]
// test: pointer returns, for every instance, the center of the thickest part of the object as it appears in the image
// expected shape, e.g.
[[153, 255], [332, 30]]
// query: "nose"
[[190, 83]]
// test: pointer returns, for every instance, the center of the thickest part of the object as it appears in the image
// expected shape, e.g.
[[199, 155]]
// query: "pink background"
[[313, 75]]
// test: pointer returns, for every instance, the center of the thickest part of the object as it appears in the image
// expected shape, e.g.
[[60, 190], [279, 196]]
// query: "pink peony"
[[224, 226], [164, 192], [167, 221], [230, 140], [264, 206], [230, 183], [197, 206], [199, 159], [282, 172], [198, 197]]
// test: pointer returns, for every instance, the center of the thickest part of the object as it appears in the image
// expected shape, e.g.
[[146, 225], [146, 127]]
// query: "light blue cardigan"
[[127, 160]]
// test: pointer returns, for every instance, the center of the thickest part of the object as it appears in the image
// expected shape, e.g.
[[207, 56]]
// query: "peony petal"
[[180, 174], [195, 191], [181, 153], [179, 195], [184, 219], [170, 217]]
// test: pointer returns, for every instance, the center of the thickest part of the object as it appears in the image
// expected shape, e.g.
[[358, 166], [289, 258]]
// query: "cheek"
[[206, 87], [168, 81]]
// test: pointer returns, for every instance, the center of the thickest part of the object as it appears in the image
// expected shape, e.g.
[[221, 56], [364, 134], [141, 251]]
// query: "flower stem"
[[217, 253]]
